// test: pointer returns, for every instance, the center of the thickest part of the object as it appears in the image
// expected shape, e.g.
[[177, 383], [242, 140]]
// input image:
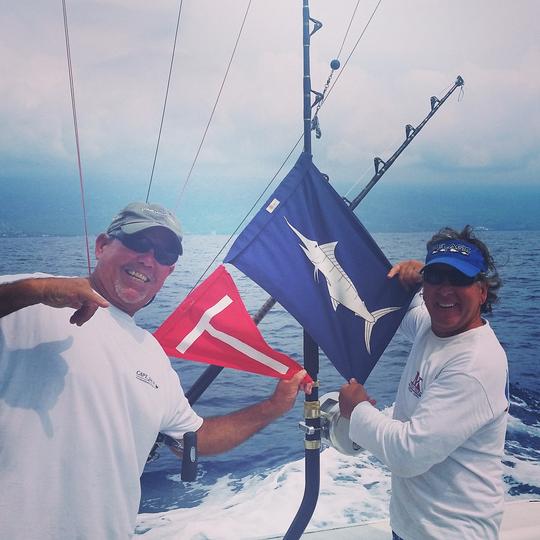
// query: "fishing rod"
[[312, 411], [410, 133], [381, 167]]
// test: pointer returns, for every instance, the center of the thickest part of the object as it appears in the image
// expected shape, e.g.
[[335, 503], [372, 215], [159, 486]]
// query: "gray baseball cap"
[[139, 216]]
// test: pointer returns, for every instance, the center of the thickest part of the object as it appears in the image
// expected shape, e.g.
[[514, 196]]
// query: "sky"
[[482, 145]]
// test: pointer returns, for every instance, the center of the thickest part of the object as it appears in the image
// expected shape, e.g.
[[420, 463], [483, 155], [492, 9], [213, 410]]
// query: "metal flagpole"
[[312, 423]]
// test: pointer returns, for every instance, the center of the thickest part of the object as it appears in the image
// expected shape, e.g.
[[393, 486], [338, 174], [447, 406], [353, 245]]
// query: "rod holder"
[[189, 457]]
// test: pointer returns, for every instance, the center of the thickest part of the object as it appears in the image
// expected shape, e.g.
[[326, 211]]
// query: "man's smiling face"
[[454, 309], [128, 279]]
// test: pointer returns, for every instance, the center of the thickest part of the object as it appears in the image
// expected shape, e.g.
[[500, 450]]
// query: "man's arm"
[[51, 291], [450, 411], [221, 433]]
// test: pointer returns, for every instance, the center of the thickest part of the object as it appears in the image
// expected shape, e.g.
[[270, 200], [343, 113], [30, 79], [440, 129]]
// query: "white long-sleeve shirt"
[[445, 441]]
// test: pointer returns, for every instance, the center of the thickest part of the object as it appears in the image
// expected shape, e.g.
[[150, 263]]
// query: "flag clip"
[[308, 430]]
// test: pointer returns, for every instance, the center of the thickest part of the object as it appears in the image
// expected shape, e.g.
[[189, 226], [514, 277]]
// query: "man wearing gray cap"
[[80, 408], [445, 441]]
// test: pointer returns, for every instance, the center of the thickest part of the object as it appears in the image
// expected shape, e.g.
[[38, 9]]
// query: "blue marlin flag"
[[308, 250]]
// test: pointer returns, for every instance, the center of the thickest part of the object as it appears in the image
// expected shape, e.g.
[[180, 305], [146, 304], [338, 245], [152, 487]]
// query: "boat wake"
[[354, 489]]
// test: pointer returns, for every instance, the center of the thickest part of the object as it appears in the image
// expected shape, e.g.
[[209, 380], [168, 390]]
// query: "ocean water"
[[234, 491]]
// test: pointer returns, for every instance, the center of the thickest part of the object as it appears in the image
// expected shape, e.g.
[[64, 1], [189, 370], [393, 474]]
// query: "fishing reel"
[[334, 427]]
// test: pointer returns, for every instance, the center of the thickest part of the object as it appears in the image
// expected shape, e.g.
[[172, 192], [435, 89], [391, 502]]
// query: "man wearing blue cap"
[[80, 408], [445, 441]]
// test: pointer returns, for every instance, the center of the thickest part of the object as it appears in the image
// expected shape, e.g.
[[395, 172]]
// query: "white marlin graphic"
[[340, 286]]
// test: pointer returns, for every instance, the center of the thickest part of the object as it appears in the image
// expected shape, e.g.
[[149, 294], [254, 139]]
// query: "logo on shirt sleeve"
[[144, 377], [415, 386]]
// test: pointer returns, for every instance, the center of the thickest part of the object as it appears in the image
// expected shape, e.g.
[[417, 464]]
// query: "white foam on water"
[[522, 467], [519, 470], [353, 489], [522, 471], [515, 424]]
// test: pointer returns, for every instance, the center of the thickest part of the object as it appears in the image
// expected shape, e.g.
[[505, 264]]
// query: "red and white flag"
[[213, 326]]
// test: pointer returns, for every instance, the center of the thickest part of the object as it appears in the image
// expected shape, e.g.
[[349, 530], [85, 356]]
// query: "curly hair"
[[491, 277]]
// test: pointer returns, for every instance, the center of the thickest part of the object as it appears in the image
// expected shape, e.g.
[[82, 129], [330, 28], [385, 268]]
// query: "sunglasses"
[[142, 244], [437, 276]]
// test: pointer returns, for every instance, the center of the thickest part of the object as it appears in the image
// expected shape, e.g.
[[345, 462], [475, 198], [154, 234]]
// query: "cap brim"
[[132, 228], [463, 266]]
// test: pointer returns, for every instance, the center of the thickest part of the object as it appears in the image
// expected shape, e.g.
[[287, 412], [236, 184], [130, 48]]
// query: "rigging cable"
[[214, 107], [253, 206], [271, 181], [76, 129], [165, 101], [334, 65], [352, 50], [348, 29]]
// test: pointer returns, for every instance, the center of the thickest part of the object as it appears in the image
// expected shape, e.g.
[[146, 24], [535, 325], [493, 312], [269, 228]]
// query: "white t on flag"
[[213, 326]]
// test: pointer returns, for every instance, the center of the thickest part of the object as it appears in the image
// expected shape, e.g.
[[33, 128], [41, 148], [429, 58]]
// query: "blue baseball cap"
[[462, 255]]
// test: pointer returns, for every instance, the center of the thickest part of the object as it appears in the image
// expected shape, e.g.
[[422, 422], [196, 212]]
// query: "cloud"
[[411, 50]]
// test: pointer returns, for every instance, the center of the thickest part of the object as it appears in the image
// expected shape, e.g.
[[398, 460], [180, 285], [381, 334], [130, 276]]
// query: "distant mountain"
[[426, 208], [387, 208]]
